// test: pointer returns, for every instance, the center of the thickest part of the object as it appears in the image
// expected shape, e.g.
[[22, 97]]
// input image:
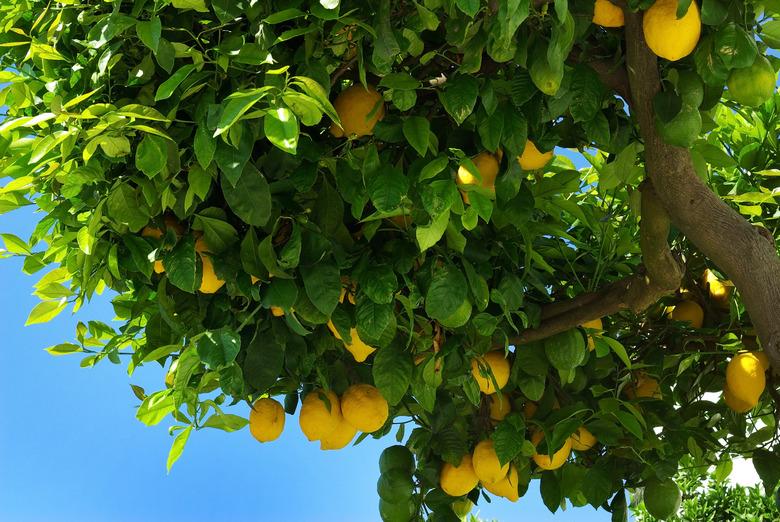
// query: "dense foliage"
[[187, 155]]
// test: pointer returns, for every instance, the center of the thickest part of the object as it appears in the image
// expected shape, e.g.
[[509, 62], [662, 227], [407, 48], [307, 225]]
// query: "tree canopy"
[[366, 210]]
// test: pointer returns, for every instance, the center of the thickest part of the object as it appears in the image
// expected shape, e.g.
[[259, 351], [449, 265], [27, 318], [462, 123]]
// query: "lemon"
[[462, 508], [266, 420], [319, 419], [643, 387], [487, 165], [752, 85], [682, 130], [558, 459], [763, 358], [720, 291], [499, 368], [364, 407], [395, 485], [359, 350], [500, 407], [667, 36], [396, 457], [688, 312], [529, 409], [607, 14], [737, 405], [397, 511], [340, 437], [277, 311], [359, 109], [486, 464], [458, 480], [209, 282], [347, 290], [745, 377], [532, 159], [546, 78], [582, 439], [595, 324], [506, 487], [155, 233], [662, 497]]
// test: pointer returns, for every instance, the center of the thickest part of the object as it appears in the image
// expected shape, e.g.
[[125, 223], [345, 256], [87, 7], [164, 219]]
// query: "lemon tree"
[[528, 240]]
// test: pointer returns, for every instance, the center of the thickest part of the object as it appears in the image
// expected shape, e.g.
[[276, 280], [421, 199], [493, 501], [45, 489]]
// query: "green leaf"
[[205, 146], [323, 285], [151, 156], [392, 371], [46, 311], [433, 168], [264, 361], [459, 97], [218, 348], [597, 486], [15, 244], [155, 407], [250, 198], [64, 349], [236, 105], [149, 32], [416, 130], [448, 291], [197, 5], [380, 283], [429, 235], [550, 489], [532, 386], [386, 188], [225, 422], [376, 323], [125, 207], [469, 7], [231, 160], [509, 436], [168, 87], [178, 447], [281, 129], [767, 465], [735, 47], [181, 265]]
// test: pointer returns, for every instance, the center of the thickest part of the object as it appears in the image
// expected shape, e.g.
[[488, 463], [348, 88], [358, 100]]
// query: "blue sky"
[[71, 449]]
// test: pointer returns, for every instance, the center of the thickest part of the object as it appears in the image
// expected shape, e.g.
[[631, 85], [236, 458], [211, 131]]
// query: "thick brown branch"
[[717, 230], [661, 276]]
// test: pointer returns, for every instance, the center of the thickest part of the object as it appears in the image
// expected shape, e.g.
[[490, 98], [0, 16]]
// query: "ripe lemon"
[[582, 439], [209, 282], [688, 312], [506, 487], [532, 159], [458, 480], [595, 324], [486, 464], [347, 290], [364, 407], [340, 437], [737, 405], [558, 459], [745, 377], [487, 165], [359, 110], [500, 407], [720, 291], [662, 497], [359, 350], [644, 386], [319, 419], [752, 85], [171, 223], [607, 14], [277, 311], [266, 420], [499, 367], [763, 358], [667, 36]]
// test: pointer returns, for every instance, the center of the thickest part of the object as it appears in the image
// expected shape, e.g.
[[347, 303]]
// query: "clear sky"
[[71, 448]]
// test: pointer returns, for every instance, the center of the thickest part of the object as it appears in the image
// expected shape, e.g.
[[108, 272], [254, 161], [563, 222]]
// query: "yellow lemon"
[[720, 291], [255, 279], [532, 159], [347, 290], [737, 405], [667, 36], [487, 165], [155, 233], [209, 282], [340, 437], [319, 418], [266, 420], [364, 407], [359, 109], [486, 464], [529, 409], [458, 480], [763, 358], [506, 487], [500, 407], [644, 386], [688, 312], [607, 14], [558, 459], [582, 439], [595, 324], [277, 311], [499, 368], [359, 350], [745, 377]]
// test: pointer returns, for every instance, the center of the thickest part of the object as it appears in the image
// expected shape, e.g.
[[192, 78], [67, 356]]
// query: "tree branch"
[[661, 275], [717, 230]]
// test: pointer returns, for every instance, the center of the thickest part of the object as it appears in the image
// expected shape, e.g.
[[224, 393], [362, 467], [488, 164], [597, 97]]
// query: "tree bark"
[[738, 248]]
